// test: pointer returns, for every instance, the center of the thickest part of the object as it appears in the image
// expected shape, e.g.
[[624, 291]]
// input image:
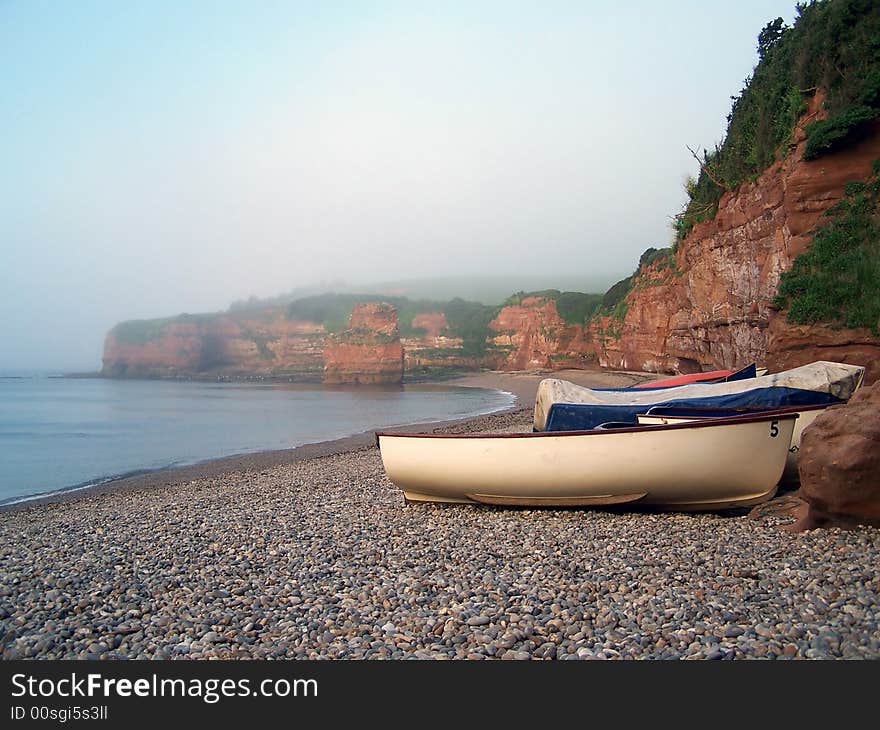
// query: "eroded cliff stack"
[[278, 342], [369, 352]]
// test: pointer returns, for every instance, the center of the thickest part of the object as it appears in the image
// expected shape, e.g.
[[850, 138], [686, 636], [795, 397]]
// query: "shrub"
[[831, 133], [616, 294], [141, 331], [837, 280], [470, 322], [833, 45]]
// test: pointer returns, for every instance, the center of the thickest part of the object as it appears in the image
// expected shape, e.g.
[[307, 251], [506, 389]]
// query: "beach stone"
[[357, 574], [839, 463]]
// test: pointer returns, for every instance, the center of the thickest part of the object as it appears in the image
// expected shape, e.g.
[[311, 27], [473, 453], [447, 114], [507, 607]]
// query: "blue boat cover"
[[746, 373], [584, 416]]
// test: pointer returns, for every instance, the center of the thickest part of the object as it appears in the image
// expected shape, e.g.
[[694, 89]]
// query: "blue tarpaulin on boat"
[[584, 416], [746, 373]]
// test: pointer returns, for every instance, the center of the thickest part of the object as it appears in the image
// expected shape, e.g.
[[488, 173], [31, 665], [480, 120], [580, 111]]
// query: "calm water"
[[58, 433]]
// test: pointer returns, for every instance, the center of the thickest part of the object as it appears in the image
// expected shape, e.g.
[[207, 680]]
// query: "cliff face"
[[713, 308], [261, 342], [532, 335], [176, 350], [264, 343], [433, 350], [369, 351], [709, 306]]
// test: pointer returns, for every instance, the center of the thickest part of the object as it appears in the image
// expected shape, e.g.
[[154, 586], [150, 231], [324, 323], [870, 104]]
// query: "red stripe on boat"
[[685, 379]]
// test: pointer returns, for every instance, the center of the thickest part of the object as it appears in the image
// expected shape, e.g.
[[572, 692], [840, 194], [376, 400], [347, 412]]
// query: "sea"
[[60, 433]]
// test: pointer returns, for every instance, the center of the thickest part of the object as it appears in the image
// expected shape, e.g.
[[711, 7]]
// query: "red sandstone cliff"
[[177, 349], [259, 342], [432, 349], [715, 311], [264, 343], [369, 351], [531, 335], [707, 307]]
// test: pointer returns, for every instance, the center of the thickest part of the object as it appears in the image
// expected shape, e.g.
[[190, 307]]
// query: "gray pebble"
[[320, 559]]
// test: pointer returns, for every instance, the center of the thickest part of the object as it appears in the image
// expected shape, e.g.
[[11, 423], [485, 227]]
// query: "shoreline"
[[522, 385], [312, 553]]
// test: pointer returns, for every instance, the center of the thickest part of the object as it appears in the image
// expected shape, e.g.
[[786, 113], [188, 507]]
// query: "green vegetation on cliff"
[[470, 321], [573, 306], [467, 320], [833, 45], [837, 281], [612, 302], [330, 310], [141, 331]]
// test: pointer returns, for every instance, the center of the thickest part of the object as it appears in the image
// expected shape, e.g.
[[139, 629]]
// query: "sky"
[[164, 157]]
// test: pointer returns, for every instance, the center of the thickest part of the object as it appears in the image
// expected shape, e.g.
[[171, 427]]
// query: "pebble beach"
[[320, 557]]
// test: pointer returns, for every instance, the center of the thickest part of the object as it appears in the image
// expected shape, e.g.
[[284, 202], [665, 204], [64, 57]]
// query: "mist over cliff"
[[176, 159], [775, 258]]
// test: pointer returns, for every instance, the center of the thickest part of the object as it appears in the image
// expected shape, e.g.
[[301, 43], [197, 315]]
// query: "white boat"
[[561, 406], [705, 464], [807, 414]]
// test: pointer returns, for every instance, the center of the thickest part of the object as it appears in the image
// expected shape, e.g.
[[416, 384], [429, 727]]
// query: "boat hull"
[[689, 466], [790, 474]]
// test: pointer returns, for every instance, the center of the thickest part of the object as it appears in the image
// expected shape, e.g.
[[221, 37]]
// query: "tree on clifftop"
[[769, 35]]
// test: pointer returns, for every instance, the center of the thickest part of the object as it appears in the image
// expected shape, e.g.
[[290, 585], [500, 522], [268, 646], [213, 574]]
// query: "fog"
[[159, 159]]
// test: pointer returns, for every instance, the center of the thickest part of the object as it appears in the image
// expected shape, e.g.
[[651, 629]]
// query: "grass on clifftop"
[[833, 45], [612, 302], [573, 306], [467, 320], [141, 331], [837, 281]]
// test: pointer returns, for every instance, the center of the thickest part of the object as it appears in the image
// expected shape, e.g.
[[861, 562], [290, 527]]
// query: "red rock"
[[717, 312], [532, 335], [839, 463], [369, 351], [712, 310], [434, 350], [257, 342], [433, 323], [792, 345], [176, 349]]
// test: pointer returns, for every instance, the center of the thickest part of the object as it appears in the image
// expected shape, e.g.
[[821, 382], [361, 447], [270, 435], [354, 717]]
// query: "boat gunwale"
[[746, 410], [774, 415]]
